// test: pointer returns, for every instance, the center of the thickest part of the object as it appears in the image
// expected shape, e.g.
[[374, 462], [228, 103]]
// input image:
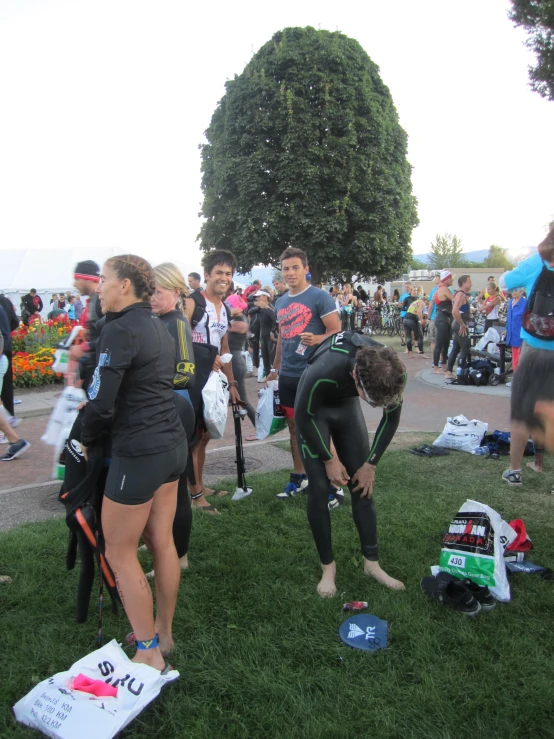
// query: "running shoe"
[[15, 450], [3, 439], [14, 422], [298, 485], [336, 498], [512, 478]]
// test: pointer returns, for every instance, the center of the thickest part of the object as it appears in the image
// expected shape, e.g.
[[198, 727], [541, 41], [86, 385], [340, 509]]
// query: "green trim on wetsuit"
[[330, 361]]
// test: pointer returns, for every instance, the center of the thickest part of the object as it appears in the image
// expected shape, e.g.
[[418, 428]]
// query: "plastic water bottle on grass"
[[481, 451]]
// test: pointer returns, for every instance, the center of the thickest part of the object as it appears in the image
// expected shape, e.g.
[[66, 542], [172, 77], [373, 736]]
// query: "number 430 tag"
[[456, 561]]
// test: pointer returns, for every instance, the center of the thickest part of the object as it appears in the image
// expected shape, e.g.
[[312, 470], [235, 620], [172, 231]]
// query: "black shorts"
[[288, 387], [134, 480], [532, 382]]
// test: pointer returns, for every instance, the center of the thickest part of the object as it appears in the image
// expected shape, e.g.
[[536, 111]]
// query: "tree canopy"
[[446, 251], [537, 18], [497, 258], [305, 149]]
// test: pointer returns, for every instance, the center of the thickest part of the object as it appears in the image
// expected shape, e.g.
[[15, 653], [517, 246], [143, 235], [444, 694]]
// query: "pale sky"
[[104, 104]]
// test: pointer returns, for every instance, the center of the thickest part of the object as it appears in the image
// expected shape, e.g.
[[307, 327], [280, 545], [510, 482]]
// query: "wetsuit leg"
[[455, 347], [349, 434], [182, 523], [408, 327], [465, 345], [319, 517], [442, 324]]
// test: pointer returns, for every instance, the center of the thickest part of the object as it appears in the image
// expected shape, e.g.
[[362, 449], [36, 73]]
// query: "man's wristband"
[[233, 383], [274, 370]]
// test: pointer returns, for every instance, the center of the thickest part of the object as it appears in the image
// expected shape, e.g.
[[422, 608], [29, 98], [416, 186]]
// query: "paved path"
[[27, 490]]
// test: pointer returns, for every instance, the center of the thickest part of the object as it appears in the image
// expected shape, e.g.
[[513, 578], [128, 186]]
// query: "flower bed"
[[33, 352], [33, 370]]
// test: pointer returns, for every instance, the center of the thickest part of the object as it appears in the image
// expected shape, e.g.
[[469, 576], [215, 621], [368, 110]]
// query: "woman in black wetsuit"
[[443, 321], [413, 320], [168, 304], [344, 368]]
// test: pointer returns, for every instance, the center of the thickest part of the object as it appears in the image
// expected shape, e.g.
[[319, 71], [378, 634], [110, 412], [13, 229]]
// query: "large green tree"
[[305, 149], [497, 258], [446, 251], [537, 18]]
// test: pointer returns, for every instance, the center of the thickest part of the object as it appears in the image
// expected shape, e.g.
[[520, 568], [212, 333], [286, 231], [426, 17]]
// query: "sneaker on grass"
[[513, 478], [298, 485], [336, 498], [15, 450]]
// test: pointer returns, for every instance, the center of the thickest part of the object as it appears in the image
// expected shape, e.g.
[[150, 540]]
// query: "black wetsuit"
[[460, 344], [327, 407], [443, 324]]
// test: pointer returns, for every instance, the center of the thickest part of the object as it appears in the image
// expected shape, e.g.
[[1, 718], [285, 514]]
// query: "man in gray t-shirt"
[[306, 316]]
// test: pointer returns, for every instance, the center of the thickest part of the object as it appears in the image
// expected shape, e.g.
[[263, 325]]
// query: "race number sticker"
[[455, 560]]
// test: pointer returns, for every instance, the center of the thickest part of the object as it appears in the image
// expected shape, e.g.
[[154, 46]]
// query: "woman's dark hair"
[[216, 257], [137, 270], [292, 252], [381, 374]]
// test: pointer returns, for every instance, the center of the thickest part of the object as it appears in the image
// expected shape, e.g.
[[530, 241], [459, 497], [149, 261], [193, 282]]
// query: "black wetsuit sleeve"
[[116, 351], [385, 432], [180, 331]]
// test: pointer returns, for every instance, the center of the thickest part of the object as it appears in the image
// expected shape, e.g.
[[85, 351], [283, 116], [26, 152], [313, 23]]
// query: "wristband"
[[233, 383], [274, 370]]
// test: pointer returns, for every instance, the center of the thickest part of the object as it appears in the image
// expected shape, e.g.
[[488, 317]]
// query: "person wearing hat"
[[262, 300], [443, 320], [86, 279]]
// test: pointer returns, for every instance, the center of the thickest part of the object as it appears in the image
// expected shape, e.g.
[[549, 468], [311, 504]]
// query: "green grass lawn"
[[258, 650]]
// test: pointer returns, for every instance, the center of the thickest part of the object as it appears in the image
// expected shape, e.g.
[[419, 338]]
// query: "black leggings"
[[411, 325], [7, 386], [344, 423], [460, 345], [443, 322], [182, 523]]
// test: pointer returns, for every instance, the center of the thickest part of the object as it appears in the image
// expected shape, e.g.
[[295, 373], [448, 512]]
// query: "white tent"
[[47, 270]]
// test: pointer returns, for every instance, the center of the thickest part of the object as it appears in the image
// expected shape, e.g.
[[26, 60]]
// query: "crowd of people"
[[152, 341]]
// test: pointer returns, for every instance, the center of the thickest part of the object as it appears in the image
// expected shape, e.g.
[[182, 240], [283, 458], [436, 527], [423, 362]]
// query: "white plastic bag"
[[261, 373], [59, 424], [248, 360], [474, 548], [215, 395], [58, 711], [490, 334], [270, 418], [61, 355], [461, 434]]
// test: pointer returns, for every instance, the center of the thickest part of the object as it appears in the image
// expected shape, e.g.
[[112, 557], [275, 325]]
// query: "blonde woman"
[[168, 304], [491, 305], [347, 303]]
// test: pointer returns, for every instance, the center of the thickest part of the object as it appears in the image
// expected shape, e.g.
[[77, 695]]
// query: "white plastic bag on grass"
[[215, 395], [474, 547], [461, 434], [270, 417], [58, 711]]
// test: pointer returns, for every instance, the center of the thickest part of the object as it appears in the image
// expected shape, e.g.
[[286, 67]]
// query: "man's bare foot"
[[372, 569], [167, 645], [219, 493], [438, 371], [202, 504], [326, 586], [449, 375], [535, 467]]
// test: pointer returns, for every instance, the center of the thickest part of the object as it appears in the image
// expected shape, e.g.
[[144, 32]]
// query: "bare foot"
[[220, 493], [151, 657], [535, 467], [202, 503], [326, 586], [372, 569], [438, 371], [167, 645], [449, 375]]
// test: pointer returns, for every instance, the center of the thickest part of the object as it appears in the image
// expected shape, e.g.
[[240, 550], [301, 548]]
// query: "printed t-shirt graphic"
[[297, 314]]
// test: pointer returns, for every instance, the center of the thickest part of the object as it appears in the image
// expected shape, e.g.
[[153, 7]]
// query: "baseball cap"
[[445, 274], [261, 292]]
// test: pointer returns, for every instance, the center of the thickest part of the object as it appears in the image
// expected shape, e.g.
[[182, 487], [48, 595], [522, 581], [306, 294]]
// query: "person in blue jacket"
[[516, 309]]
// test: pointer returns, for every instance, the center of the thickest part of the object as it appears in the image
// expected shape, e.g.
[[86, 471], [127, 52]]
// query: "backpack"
[[499, 443], [476, 372], [538, 319]]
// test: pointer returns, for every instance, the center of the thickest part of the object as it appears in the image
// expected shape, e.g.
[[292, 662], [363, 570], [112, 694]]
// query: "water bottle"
[[458, 372], [481, 451]]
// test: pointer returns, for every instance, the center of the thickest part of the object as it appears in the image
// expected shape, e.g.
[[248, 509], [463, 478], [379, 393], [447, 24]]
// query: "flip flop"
[[216, 492], [252, 437], [207, 509]]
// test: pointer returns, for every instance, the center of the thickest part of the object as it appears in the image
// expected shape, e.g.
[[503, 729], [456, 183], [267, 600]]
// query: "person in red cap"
[[87, 277]]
